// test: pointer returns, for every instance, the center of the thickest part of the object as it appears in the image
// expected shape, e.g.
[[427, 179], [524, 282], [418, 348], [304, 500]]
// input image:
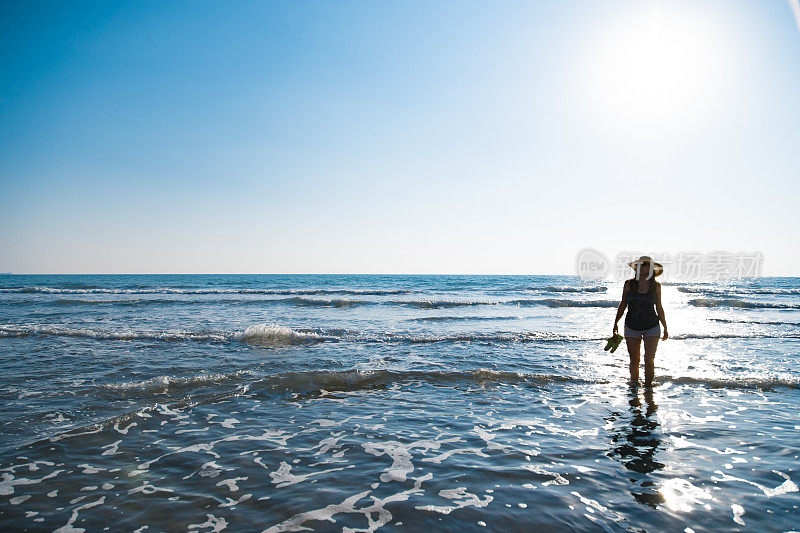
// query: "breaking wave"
[[685, 336], [276, 335], [361, 379], [354, 379], [502, 337], [743, 304], [599, 288], [273, 334], [318, 302], [555, 302], [163, 384], [169, 290], [439, 304], [330, 380], [25, 330], [766, 322], [299, 301], [740, 383], [260, 334], [549, 302], [460, 318], [737, 290]]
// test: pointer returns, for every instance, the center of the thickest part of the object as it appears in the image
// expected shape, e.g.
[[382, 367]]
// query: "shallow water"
[[395, 402]]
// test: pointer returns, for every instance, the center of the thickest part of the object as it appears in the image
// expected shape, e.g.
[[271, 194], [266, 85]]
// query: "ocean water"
[[392, 403]]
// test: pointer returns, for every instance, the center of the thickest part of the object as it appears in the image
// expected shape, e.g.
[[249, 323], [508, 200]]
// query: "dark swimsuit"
[[641, 307]]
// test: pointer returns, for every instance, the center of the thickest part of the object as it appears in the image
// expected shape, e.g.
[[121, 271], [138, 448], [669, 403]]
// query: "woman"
[[642, 297]]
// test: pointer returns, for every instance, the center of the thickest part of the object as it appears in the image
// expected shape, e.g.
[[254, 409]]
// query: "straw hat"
[[657, 268]]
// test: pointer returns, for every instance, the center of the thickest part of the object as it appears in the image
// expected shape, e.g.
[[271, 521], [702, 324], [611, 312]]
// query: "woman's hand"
[[666, 335]]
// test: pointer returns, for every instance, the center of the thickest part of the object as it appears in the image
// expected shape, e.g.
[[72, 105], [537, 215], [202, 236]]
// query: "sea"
[[394, 403]]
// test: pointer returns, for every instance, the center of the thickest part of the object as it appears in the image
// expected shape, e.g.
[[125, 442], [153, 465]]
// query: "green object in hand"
[[613, 343]]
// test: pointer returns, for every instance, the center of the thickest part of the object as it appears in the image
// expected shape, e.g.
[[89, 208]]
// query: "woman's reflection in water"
[[636, 442]]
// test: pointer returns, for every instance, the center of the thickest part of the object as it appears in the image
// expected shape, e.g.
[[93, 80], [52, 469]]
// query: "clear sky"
[[395, 137]]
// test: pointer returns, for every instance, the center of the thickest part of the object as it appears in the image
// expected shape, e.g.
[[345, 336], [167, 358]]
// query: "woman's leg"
[[650, 347], [633, 351]]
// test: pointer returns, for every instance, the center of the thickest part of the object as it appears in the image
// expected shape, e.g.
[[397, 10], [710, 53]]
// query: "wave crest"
[[266, 334], [275, 335], [557, 302], [743, 304], [734, 383], [460, 318], [552, 288], [319, 302], [439, 304], [355, 379], [171, 290], [164, 384], [257, 334], [737, 290], [767, 322], [25, 330]]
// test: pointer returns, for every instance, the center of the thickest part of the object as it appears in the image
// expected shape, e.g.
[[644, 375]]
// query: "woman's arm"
[[622, 305], [660, 311]]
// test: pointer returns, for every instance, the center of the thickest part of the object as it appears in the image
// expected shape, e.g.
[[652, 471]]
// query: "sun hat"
[[657, 268]]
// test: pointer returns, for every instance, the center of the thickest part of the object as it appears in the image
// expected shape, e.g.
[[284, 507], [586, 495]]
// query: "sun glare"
[[658, 65]]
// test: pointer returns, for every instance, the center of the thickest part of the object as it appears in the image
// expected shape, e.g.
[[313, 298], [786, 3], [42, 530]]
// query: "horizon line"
[[267, 274], [316, 274]]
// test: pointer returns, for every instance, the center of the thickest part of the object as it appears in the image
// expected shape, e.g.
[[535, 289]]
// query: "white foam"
[[68, 527], [295, 523], [121, 334], [147, 488], [738, 512], [443, 456], [558, 479], [9, 482], [401, 455], [377, 508], [261, 334], [488, 438], [216, 524], [19, 499], [161, 384], [784, 488], [229, 423], [230, 502], [231, 483], [273, 334], [283, 477], [461, 498]]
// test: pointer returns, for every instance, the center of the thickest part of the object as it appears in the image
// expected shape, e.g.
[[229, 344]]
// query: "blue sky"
[[395, 137]]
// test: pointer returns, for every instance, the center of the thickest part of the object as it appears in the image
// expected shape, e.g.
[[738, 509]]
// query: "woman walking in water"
[[642, 297]]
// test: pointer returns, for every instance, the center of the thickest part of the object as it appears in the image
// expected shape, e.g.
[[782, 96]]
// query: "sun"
[[656, 65]]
